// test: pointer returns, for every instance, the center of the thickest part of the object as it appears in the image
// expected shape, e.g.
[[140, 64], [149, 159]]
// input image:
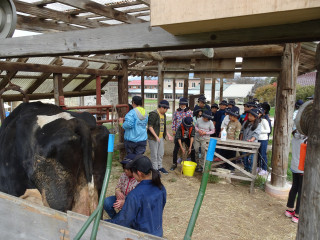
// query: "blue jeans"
[[262, 158], [135, 147], [247, 162], [108, 206]]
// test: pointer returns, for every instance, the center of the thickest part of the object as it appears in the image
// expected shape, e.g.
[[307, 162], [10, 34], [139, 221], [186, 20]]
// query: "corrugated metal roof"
[[45, 87], [238, 90]]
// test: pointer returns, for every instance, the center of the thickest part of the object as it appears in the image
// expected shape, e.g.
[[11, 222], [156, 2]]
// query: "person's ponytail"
[[156, 178]]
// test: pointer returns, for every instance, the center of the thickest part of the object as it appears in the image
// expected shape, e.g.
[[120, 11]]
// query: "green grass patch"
[[172, 180], [260, 182], [213, 179]]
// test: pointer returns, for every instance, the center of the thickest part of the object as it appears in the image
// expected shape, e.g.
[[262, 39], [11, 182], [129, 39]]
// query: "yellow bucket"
[[188, 168]]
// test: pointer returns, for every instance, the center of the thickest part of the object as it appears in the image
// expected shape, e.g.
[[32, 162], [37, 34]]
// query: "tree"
[[303, 92], [266, 93]]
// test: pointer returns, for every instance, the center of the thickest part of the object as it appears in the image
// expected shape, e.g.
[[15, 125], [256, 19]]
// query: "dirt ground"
[[228, 211]]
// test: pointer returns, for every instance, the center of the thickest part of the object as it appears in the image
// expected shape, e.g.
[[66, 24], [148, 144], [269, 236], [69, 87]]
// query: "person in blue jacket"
[[135, 126], [144, 205]]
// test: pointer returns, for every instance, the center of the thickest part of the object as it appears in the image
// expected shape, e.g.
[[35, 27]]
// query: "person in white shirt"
[[263, 140]]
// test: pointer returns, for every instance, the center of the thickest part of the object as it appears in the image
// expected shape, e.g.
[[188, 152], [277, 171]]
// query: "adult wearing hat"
[[135, 126], [157, 133], [126, 184], [219, 116], [201, 106], [143, 208], [182, 112], [185, 134]]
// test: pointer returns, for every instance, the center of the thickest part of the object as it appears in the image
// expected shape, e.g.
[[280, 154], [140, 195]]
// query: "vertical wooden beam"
[[142, 87], [122, 99], [3, 112], [221, 89], [309, 217], [202, 84], [173, 95], [213, 90], [58, 89], [185, 88], [285, 99], [160, 81], [98, 90]]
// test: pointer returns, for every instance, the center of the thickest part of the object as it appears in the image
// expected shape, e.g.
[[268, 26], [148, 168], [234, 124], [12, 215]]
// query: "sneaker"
[[163, 171], [216, 159], [258, 169], [179, 160], [263, 172], [188, 159], [289, 214], [173, 167], [295, 219]]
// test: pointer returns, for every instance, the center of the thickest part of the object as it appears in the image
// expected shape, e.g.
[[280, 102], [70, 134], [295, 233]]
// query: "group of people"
[[142, 209]]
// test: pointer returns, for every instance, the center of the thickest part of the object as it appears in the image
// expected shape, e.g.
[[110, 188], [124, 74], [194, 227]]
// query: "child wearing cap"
[[143, 208], [204, 127], [125, 185], [157, 132], [250, 132], [233, 131], [185, 134], [182, 112], [219, 116], [201, 106]]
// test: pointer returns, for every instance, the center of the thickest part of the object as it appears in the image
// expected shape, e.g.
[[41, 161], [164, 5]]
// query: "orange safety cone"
[[303, 152]]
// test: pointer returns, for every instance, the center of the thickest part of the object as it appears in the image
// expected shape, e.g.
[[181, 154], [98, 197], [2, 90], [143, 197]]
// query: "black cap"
[[223, 102], [187, 122], [255, 112], [231, 102], [141, 163], [207, 114], [298, 103], [234, 111], [164, 104], [202, 99], [261, 110], [128, 158], [215, 106], [183, 101]]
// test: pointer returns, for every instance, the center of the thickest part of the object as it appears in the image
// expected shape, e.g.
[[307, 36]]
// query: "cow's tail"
[[86, 145]]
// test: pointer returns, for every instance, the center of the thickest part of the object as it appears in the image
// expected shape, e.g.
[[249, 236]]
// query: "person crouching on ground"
[[185, 134], [125, 185], [135, 126], [157, 132], [143, 208], [204, 127], [250, 132]]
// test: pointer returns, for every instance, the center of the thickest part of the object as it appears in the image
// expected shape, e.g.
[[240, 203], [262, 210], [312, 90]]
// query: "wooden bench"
[[245, 149]]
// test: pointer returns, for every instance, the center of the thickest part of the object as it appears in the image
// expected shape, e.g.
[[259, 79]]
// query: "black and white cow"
[[62, 154]]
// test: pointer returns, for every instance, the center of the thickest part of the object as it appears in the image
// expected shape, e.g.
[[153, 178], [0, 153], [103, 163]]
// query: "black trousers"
[[177, 147], [295, 189], [228, 154]]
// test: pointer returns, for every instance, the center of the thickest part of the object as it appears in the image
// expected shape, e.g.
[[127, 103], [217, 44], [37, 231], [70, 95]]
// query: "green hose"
[[98, 212], [202, 190]]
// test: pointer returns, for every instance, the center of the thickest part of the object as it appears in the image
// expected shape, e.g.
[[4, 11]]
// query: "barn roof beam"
[[57, 61], [151, 39], [36, 96], [56, 15], [89, 79], [11, 74], [29, 67], [36, 24], [83, 65], [102, 10]]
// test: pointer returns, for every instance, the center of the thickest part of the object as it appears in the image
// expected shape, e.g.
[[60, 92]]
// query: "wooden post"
[[160, 81], [98, 90], [185, 88], [202, 83], [122, 99], [309, 218], [142, 87], [285, 99], [221, 89], [213, 90], [173, 95], [58, 89]]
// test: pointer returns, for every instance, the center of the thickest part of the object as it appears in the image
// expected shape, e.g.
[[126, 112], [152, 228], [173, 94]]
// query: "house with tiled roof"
[[308, 79]]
